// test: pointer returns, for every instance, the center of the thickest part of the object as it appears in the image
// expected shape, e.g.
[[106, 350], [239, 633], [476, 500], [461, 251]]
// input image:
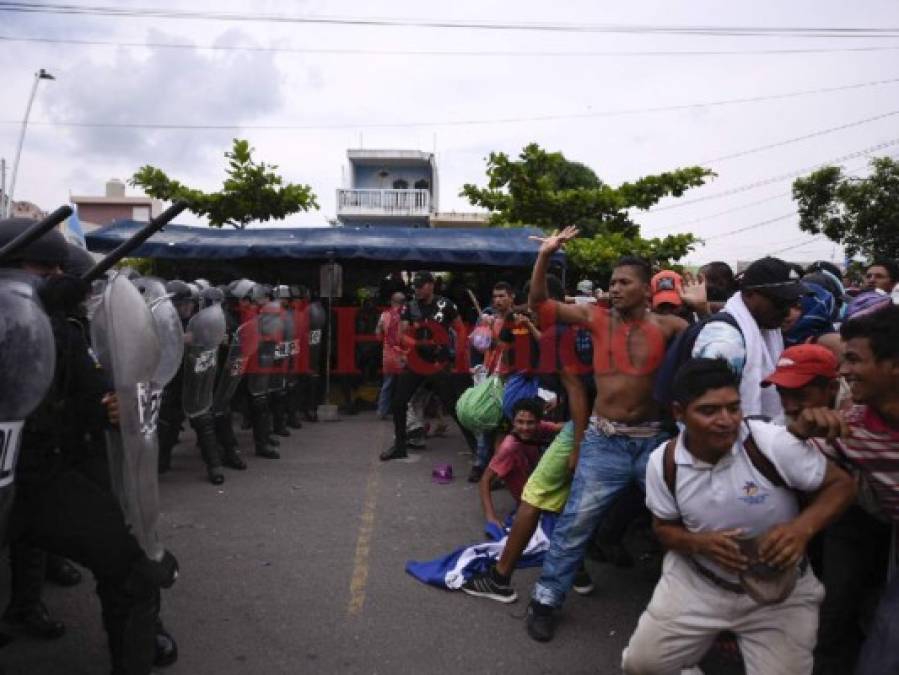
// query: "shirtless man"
[[628, 347]]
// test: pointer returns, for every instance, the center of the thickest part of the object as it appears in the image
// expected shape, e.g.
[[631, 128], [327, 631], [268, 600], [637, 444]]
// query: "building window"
[[400, 184], [422, 184]]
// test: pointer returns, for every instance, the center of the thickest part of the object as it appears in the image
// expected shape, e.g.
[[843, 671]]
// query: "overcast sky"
[[356, 92]]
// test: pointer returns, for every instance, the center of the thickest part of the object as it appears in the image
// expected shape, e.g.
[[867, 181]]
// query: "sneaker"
[[583, 584], [393, 452], [474, 476], [485, 585], [541, 622], [416, 439]]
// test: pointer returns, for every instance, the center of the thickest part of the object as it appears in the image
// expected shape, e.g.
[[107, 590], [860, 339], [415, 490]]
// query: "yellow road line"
[[363, 543]]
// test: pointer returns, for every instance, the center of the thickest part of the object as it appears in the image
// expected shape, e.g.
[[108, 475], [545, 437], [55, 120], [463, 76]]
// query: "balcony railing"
[[383, 202]]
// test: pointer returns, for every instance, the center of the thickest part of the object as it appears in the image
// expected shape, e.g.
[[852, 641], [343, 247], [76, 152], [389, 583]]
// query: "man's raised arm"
[[538, 295]]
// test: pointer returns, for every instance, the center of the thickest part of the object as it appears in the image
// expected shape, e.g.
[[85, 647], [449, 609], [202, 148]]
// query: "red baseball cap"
[[800, 364], [666, 287]]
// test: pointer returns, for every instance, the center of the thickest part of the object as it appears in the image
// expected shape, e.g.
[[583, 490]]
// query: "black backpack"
[[680, 351]]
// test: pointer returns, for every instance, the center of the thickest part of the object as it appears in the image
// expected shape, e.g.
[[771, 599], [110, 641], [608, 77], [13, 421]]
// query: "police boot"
[[168, 439], [258, 414], [225, 435], [25, 610], [279, 414], [130, 622], [166, 647], [61, 572], [209, 448]]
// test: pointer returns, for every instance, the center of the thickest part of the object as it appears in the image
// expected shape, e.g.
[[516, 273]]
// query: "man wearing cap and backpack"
[[425, 325], [746, 334], [723, 494]]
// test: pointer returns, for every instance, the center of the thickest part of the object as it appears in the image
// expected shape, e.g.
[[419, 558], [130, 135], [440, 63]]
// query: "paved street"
[[297, 566]]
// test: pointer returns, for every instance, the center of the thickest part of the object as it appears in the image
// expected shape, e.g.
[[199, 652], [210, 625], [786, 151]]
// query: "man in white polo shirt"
[[724, 499]]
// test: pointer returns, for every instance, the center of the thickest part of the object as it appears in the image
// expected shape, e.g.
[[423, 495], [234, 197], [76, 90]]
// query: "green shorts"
[[548, 485]]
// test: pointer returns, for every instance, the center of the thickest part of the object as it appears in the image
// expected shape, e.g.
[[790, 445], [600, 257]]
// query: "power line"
[[434, 52], [741, 207], [166, 13], [797, 139], [454, 123], [777, 179]]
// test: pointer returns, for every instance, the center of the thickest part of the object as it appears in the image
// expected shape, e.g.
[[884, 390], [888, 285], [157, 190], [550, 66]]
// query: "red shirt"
[[394, 357], [515, 459]]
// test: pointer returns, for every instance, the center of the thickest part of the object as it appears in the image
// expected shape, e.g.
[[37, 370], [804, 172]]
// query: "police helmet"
[[202, 284], [78, 262], [50, 248], [281, 292], [240, 289], [180, 291], [210, 296]]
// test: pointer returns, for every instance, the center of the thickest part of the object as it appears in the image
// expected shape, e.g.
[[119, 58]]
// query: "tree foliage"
[[546, 190], [251, 192], [862, 214]]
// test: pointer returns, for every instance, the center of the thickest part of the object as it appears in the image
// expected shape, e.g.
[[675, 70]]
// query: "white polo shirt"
[[732, 494]]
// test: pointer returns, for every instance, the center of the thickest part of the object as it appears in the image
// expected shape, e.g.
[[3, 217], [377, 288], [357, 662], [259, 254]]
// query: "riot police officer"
[[59, 509]]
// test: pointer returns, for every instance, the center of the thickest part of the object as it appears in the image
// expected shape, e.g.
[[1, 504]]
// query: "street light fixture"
[[38, 76]]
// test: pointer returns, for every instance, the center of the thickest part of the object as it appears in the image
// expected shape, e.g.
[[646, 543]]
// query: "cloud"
[[164, 86]]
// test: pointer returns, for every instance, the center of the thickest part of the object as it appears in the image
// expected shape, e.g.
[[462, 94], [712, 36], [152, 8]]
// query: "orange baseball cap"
[[666, 288]]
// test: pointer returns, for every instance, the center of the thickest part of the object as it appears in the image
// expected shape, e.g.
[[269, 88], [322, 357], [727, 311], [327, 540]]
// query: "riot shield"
[[317, 320], [205, 332], [240, 352], [266, 329], [273, 325], [126, 341], [168, 329], [27, 364]]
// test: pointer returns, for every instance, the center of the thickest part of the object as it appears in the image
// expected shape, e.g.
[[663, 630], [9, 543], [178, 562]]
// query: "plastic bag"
[[480, 408]]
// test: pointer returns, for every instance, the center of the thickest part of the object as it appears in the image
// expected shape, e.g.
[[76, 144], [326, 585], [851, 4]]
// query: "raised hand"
[[556, 240], [693, 292]]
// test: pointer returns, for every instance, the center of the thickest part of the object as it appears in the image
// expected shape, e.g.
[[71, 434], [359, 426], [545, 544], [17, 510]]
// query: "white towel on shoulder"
[[763, 349]]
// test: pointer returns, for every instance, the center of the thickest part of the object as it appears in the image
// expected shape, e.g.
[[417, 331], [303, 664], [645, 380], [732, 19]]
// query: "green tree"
[[251, 192], [862, 214], [546, 190]]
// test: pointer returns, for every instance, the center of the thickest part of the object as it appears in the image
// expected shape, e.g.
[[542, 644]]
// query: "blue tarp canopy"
[[437, 247]]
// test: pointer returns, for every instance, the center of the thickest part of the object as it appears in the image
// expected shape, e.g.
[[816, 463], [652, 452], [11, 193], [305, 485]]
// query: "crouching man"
[[724, 496]]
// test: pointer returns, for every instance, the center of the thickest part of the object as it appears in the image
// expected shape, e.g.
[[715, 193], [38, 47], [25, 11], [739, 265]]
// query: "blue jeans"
[[484, 454], [880, 653], [607, 465], [385, 395]]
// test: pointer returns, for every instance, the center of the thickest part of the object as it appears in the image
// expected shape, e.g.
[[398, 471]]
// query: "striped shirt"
[[873, 447]]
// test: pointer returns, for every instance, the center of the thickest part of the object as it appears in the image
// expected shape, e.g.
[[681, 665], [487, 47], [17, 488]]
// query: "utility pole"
[[38, 76]]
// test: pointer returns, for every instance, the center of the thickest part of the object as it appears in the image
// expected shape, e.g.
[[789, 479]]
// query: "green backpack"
[[480, 408]]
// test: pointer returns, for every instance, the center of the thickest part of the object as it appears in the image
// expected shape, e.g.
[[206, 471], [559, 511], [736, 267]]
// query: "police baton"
[[136, 240], [35, 232]]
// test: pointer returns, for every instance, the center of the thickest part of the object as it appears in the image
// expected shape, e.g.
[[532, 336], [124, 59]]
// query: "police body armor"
[[206, 330], [127, 343], [27, 365]]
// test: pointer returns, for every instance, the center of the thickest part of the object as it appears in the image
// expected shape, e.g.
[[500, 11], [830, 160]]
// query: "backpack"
[[679, 352]]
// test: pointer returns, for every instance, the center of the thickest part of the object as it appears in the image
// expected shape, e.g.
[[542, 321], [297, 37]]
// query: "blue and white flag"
[[453, 570], [73, 229]]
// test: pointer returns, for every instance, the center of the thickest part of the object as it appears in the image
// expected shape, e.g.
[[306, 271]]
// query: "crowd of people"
[[753, 419], [757, 415]]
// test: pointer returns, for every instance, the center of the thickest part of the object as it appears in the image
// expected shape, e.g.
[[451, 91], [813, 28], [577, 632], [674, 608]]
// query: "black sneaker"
[[393, 452], [416, 439], [541, 623], [583, 584], [474, 476], [485, 585]]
